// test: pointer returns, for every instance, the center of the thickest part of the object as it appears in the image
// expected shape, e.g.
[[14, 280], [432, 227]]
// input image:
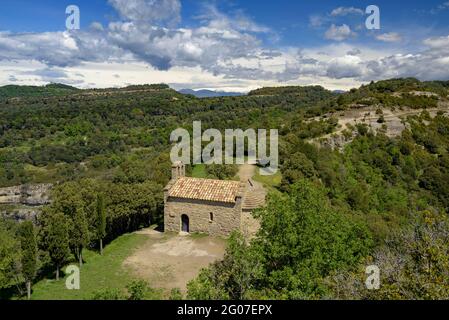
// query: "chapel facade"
[[214, 207]]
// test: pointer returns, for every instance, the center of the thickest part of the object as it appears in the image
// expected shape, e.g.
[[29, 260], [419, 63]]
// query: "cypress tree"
[[101, 220], [28, 244], [56, 238], [79, 235]]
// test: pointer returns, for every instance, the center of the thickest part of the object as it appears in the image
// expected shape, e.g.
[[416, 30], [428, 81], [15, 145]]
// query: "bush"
[[137, 290], [108, 294], [176, 294], [381, 119], [221, 172], [362, 129]]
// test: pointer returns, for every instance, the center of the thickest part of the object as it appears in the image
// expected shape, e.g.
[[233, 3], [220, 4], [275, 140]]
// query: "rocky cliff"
[[29, 195], [24, 202]]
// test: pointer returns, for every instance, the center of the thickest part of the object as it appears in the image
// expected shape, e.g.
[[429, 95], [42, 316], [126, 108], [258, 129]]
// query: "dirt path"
[[246, 172], [169, 261]]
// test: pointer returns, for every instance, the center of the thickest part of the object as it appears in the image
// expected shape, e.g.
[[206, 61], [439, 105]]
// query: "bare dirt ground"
[[246, 172], [170, 261]]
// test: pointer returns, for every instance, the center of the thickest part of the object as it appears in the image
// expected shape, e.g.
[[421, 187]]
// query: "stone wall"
[[249, 225], [226, 216]]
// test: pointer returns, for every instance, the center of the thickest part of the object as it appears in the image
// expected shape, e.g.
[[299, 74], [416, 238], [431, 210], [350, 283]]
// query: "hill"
[[45, 138], [335, 210], [13, 91], [292, 90], [210, 93]]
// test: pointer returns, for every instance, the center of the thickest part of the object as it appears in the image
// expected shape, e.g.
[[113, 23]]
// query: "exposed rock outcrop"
[[29, 195], [24, 202], [21, 214], [390, 121]]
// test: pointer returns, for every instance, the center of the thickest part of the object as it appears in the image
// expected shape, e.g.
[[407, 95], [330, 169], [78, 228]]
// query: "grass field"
[[199, 171], [270, 182], [98, 272]]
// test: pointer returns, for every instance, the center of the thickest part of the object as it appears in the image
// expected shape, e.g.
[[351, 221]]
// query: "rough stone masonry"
[[214, 207]]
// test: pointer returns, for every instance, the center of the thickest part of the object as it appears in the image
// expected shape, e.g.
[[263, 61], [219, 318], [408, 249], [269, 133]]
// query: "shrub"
[[108, 294], [137, 290]]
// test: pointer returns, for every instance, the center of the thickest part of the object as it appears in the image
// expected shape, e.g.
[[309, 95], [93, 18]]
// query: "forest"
[[381, 200]]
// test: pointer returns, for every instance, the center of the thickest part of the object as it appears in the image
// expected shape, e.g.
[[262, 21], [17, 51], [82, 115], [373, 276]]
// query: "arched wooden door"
[[185, 223]]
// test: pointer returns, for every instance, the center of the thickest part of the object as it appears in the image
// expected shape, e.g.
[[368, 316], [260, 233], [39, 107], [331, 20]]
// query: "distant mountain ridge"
[[57, 89], [401, 85], [210, 93]]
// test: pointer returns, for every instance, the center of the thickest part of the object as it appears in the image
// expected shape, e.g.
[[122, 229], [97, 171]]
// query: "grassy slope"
[[199, 171], [270, 182], [99, 272]]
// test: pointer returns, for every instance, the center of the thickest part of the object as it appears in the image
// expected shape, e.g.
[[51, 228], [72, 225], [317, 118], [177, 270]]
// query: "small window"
[[211, 217]]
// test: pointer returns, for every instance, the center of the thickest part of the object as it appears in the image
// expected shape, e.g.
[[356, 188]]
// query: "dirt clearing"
[[170, 261]]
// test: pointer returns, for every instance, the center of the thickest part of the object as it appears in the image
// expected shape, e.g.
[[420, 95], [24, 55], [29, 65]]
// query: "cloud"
[[438, 43], [206, 46], [429, 64], [339, 33], [316, 21], [389, 37], [319, 20], [344, 11], [332, 20], [223, 50], [441, 7], [218, 39], [59, 49], [238, 22], [444, 5], [149, 11], [96, 26], [354, 52], [55, 75], [348, 66], [50, 73]]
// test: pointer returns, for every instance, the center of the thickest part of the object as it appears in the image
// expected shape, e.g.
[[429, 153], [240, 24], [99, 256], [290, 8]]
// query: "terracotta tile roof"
[[205, 189]]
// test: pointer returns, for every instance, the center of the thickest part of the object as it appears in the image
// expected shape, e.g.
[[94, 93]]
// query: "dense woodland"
[[380, 201]]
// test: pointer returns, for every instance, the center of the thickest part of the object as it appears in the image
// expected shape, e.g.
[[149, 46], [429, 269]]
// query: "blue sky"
[[225, 45], [291, 19]]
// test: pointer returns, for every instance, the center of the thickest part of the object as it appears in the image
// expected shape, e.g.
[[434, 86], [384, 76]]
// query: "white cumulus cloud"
[[220, 50], [344, 11], [150, 11], [339, 33], [389, 37]]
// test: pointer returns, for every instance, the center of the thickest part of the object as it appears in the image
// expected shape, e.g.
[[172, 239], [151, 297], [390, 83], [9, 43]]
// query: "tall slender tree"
[[79, 232], [10, 256], [101, 220], [56, 238], [70, 199], [28, 244]]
